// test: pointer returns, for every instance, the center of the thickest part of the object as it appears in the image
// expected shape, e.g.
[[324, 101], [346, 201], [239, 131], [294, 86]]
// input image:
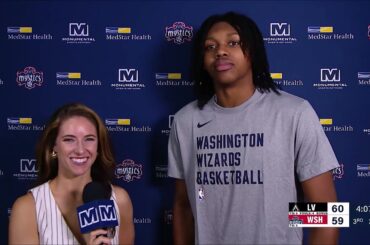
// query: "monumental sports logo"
[[368, 32], [172, 79], [280, 33], [168, 217], [279, 79], [128, 170], [330, 78], [338, 172], [125, 33], [25, 33], [326, 33], [1, 82], [78, 33], [128, 79], [329, 126], [366, 131], [30, 78], [74, 79], [166, 131], [179, 32], [27, 169], [363, 170], [363, 78]]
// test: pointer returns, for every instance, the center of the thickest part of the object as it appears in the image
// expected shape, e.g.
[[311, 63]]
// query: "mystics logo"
[[179, 32], [280, 80], [78, 33], [338, 172], [326, 33], [125, 34], [329, 126], [30, 78], [128, 170], [74, 79], [280, 34], [128, 79], [363, 78], [330, 78], [27, 170], [25, 33], [172, 79]]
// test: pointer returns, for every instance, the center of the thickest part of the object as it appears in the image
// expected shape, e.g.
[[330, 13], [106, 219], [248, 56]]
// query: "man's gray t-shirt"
[[242, 165]]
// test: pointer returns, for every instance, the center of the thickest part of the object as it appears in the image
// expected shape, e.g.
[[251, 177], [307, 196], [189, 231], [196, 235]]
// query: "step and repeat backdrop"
[[129, 61]]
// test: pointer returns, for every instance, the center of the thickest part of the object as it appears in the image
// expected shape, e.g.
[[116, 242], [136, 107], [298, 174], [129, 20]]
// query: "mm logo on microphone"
[[97, 214]]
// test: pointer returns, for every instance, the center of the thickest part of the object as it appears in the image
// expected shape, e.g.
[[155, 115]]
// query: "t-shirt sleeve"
[[175, 167], [313, 152]]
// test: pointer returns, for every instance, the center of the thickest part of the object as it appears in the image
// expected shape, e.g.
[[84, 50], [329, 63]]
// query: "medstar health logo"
[[179, 33], [29, 78]]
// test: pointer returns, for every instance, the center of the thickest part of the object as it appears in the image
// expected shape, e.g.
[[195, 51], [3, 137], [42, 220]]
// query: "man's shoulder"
[[286, 100]]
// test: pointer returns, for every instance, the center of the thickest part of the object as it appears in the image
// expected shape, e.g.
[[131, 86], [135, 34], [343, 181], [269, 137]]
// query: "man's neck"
[[234, 96]]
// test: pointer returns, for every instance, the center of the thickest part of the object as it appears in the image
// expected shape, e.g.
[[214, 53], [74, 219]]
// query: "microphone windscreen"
[[96, 191]]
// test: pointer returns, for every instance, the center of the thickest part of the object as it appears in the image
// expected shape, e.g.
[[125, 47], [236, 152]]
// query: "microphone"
[[98, 211]]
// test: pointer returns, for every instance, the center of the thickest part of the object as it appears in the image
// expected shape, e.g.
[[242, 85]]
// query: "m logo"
[[128, 75], [88, 217], [28, 166], [97, 214], [330, 75], [279, 29], [78, 30], [107, 213]]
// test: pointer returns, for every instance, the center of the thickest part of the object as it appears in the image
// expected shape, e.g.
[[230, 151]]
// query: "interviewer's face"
[[224, 59], [76, 146]]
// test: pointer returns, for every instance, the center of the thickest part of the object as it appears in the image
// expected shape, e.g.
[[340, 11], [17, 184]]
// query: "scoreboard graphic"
[[331, 214]]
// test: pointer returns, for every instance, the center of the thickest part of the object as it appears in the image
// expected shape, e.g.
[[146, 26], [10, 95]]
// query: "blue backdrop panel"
[[129, 60]]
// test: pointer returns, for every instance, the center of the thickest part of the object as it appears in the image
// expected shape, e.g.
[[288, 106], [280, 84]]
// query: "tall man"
[[244, 149]]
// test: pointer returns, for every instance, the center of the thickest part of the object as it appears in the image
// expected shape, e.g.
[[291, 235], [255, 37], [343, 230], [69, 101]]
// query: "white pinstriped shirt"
[[52, 227]]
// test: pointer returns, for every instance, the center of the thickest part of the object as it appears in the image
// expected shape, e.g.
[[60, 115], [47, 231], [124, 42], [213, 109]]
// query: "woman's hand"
[[97, 237]]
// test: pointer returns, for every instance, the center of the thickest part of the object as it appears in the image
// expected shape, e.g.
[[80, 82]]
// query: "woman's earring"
[[53, 154]]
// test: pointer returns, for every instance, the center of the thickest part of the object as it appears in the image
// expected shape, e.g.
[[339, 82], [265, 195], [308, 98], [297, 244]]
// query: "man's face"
[[224, 59]]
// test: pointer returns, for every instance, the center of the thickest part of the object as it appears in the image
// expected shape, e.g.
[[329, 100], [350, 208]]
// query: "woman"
[[74, 150]]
